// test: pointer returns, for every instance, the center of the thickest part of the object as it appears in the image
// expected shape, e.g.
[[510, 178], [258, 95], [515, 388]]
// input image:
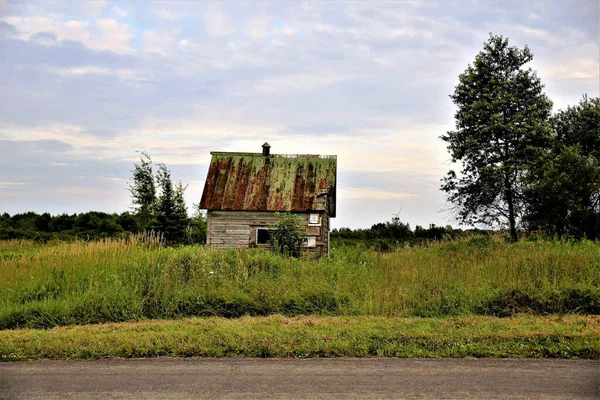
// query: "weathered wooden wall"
[[237, 229]]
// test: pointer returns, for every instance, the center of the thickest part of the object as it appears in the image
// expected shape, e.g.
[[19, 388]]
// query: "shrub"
[[288, 235]]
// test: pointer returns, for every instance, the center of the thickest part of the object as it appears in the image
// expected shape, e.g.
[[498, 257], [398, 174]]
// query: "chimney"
[[266, 149]]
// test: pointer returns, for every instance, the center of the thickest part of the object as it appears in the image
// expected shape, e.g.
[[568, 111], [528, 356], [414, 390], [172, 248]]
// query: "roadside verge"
[[311, 336]]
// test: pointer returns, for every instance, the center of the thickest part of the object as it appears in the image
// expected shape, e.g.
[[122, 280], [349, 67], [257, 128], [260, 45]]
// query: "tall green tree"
[[501, 128], [171, 213], [563, 196], [143, 191]]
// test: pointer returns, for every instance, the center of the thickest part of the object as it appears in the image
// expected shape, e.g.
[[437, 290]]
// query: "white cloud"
[[542, 34], [365, 193], [92, 8], [121, 12], [585, 68], [62, 132], [7, 184], [302, 82], [168, 15], [114, 36], [125, 74], [216, 22], [31, 25], [78, 31], [187, 45], [208, 124], [258, 28], [279, 43], [104, 34], [158, 42], [80, 191]]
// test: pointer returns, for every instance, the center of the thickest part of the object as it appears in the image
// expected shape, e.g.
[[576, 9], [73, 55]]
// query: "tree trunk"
[[511, 210], [511, 217], [509, 197]]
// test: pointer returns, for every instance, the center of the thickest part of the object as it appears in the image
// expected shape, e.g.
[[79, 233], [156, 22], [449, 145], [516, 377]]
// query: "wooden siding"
[[237, 229]]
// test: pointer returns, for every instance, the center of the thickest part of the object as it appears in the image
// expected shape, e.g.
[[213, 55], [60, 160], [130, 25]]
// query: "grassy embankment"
[[45, 286], [571, 336]]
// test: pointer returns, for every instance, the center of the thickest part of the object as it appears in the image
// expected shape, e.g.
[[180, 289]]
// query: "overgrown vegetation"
[[43, 286], [278, 336]]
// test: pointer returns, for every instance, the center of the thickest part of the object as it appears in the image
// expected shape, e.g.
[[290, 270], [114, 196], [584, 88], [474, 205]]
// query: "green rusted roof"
[[278, 182]]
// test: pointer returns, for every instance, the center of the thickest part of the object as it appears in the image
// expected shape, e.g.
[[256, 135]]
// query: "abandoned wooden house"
[[244, 192]]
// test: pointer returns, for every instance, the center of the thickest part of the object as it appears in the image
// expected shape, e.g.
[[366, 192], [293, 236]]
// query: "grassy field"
[[58, 284], [309, 336]]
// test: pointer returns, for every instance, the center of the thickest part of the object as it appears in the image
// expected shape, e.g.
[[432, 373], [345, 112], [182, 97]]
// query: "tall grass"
[[116, 280]]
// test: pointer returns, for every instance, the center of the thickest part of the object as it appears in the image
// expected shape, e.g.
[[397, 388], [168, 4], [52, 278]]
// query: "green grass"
[[310, 336], [43, 286]]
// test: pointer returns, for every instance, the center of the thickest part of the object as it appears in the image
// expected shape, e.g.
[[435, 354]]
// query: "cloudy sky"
[[86, 84]]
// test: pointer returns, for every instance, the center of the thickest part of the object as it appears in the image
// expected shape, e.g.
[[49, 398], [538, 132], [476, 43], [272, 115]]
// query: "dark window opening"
[[263, 236]]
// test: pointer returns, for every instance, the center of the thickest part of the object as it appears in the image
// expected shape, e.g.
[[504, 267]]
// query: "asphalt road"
[[172, 378]]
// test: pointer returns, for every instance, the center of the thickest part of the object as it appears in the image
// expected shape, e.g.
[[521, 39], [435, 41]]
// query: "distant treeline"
[[89, 225], [99, 225], [387, 235]]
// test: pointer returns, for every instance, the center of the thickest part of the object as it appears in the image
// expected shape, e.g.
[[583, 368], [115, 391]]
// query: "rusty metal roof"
[[278, 182]]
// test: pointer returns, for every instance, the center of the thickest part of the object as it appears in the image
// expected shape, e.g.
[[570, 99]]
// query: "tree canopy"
[[501, 127], [563, 194]]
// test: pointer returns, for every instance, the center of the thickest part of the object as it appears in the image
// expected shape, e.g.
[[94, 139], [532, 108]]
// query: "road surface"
[[177, 378]]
